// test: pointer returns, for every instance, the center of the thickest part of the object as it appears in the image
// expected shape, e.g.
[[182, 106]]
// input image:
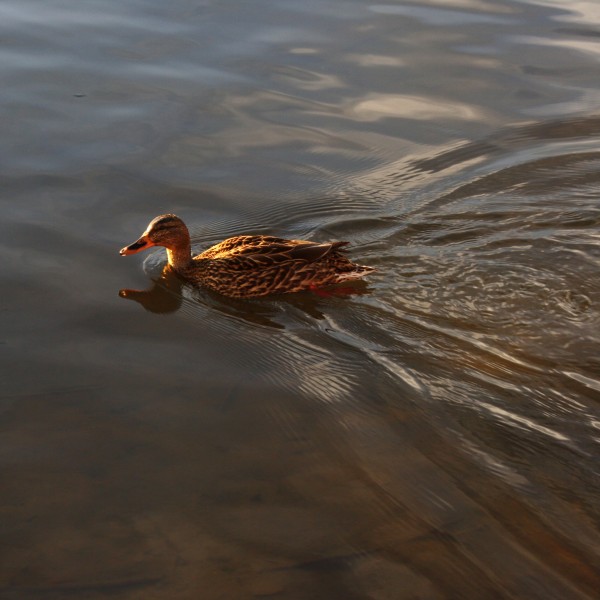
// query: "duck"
[[249, 266]]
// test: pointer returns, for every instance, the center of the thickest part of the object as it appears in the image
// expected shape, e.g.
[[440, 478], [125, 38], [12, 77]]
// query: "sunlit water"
[[434, 435]]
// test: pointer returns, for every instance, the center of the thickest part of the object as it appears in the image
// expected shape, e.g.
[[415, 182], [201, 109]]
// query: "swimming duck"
[[248, 266]]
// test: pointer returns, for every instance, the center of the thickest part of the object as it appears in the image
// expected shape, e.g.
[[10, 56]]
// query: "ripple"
[[376, 107], [434, 432]]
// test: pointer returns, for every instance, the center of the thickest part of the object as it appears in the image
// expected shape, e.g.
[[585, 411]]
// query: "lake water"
[[435, 435]]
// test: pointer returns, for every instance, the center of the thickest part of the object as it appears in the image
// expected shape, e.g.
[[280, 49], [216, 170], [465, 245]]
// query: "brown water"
[[433, 436]]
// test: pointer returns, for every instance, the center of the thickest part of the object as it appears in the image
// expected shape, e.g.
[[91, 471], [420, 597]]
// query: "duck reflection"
[[169, 292], [165, 295]]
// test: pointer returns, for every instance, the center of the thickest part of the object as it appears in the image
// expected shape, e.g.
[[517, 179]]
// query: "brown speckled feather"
[[254, 265]]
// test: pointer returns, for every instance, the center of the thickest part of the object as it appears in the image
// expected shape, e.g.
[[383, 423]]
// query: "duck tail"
[[357, 272]]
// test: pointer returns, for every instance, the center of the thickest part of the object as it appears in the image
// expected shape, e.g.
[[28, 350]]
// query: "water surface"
[[434, 435]]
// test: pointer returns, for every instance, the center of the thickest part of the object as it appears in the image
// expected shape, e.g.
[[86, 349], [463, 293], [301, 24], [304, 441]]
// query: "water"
[[433, 436]]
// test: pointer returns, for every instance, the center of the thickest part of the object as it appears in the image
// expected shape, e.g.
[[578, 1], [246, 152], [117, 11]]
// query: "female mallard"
[[250, 265]]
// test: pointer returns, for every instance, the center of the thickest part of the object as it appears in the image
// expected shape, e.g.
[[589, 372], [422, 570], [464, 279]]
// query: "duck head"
[[166, 230]]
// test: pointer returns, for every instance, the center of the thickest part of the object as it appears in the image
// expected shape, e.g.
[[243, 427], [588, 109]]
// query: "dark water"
[[433, 436]]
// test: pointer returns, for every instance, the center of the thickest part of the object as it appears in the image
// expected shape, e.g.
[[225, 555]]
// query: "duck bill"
[[142, 244]]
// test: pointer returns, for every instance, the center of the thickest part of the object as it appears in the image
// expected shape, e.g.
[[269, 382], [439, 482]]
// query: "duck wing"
[[311, 252], [278, 249], [242, 244]]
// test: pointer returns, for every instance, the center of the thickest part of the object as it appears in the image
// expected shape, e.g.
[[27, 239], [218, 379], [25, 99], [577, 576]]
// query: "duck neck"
[[180, 256]]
